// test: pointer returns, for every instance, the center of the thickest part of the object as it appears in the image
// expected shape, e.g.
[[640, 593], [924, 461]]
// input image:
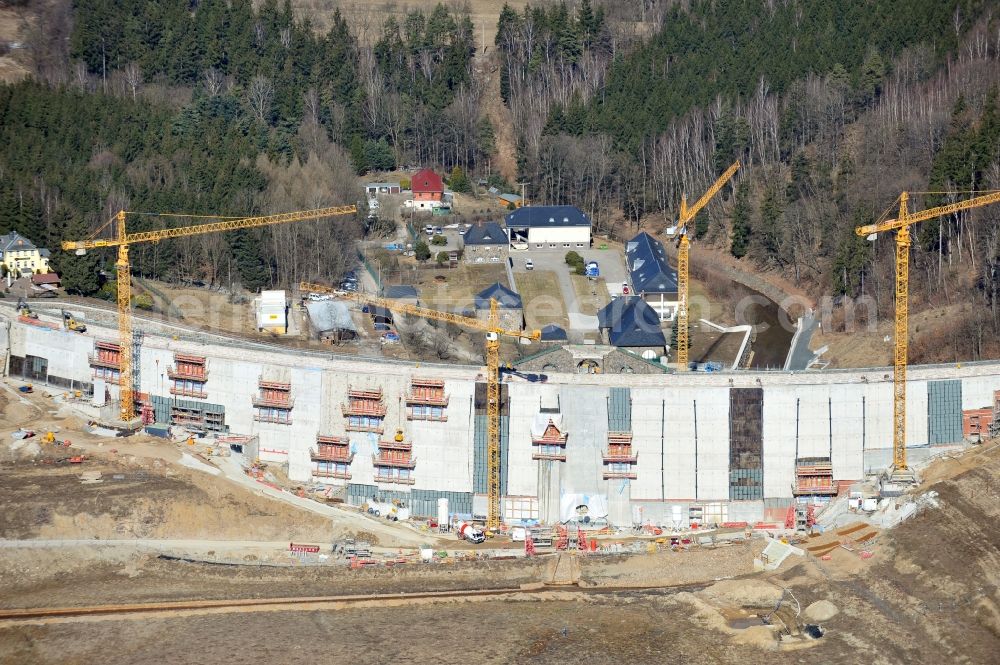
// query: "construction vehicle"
[[70, 323], [683, 246], [901, 226], [48, 437], [24, 311], [470, 532], [494, 332], [123, 240]]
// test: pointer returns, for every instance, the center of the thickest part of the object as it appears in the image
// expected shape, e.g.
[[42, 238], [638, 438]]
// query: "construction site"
[[250, 479], [536, 433], [258, 484]]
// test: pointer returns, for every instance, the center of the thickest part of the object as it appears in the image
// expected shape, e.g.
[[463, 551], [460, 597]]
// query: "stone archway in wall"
[[588, 367]]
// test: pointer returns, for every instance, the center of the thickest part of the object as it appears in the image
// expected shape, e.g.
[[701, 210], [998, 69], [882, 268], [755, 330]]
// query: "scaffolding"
[[814, 477], [394, 461], [426, 400], [274, 402], [619, 460], [551, 445]]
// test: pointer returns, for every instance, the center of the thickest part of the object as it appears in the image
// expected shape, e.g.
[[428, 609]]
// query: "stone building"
[[485, 243]]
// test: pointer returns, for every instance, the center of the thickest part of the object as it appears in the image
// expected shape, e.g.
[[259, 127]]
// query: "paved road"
[[799, 356]]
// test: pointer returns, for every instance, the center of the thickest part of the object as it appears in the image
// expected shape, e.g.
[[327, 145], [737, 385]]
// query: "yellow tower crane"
[[123, 240], [901, 226], [494, 331], [683, 245]]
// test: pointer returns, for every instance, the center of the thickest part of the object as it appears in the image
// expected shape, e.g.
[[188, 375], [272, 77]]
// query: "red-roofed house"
[[427, 186]]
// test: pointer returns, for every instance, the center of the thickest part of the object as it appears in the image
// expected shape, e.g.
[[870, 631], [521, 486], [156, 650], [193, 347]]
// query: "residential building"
[[511, 309], [548, 227], [629, 322], [485, 243], [427, 186], [20, 256], [651, 276]]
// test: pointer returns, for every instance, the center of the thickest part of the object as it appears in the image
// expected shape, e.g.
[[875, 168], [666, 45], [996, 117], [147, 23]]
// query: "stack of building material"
[[857, 532]]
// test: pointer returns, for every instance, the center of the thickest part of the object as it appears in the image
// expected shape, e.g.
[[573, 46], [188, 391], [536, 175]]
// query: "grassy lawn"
[[543, 305], [455, 289], [591, 294]]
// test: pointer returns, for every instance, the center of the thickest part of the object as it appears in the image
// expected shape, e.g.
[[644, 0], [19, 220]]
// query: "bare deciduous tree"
[[133, 78], [213, 80], [260, 93]]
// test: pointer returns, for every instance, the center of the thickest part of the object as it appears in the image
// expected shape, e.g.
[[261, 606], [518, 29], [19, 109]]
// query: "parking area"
[[451, 232], [580, 308]]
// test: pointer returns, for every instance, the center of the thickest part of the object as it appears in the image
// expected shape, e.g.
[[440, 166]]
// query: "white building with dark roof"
[[548, 227]]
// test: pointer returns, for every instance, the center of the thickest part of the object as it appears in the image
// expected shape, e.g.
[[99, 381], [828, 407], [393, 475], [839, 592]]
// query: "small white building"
[[272, 312], [548, 227]]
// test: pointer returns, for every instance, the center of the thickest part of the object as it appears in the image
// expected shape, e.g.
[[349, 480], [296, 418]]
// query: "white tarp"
[[597, 506], [326, 315], [99, 388], [541, 422]]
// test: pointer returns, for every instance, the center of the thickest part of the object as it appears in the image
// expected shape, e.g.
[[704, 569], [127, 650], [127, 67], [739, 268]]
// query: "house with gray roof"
[[630, 323], [651, 276], [485, 242], [511, 309]]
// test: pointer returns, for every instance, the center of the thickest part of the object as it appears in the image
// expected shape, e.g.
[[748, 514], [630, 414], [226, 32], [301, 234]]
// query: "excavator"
[[24, 311], [70, 323]]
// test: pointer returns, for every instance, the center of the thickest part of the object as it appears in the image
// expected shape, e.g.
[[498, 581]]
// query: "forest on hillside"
[[833, 108]]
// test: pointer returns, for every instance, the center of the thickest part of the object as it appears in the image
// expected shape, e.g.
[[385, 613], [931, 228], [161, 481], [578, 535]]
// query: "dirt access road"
[[927, 596]]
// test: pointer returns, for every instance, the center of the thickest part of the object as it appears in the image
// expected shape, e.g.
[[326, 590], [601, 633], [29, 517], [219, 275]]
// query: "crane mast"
[[901, 225], [683, 247], [494, 331], [123, 240]]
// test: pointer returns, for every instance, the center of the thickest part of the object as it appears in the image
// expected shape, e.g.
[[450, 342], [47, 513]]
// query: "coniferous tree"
[[740, 241], [79, 274]]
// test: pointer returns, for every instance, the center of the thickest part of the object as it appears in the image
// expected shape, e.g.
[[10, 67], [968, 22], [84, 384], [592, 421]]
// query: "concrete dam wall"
[[633, 447]]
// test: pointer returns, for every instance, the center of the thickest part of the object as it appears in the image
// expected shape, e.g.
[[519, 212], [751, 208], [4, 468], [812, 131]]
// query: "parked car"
[[438, 230], [429, 229], [529, 264]]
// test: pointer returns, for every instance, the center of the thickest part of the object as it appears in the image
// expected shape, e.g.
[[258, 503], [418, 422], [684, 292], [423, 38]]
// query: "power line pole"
[[524, 201]]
